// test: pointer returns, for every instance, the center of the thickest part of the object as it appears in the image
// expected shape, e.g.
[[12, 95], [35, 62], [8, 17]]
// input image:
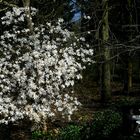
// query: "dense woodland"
[[110, 88]]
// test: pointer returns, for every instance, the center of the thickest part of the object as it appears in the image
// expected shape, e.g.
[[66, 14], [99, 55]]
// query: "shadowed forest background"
[[110, 88]]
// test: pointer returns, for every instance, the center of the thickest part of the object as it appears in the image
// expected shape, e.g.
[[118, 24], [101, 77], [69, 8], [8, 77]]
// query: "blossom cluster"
[[37, 69]]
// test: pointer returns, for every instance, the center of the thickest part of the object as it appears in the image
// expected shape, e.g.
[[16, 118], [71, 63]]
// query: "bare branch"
[[8, 4]]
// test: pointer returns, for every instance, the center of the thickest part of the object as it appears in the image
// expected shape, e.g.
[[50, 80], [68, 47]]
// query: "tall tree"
[[128, 77], [131, 27], [98, 24], [105, 87]]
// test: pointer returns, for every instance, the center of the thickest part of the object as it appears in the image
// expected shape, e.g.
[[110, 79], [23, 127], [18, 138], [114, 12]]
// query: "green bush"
[[127, 102], [71, 132], [40, 135], [104, 125]]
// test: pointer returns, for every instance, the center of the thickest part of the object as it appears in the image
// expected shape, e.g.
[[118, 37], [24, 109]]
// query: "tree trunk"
[[26, 4], [106, 87], [128, 77], [128, 80], [129, 74], [129, 59]]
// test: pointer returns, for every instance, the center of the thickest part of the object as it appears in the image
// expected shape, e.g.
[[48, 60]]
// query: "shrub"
[[127, 102], [71, 132], [104, 125], [37, 69], [40, 135]]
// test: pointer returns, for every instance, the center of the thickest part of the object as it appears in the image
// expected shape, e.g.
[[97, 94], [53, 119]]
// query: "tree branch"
[[8, 4]]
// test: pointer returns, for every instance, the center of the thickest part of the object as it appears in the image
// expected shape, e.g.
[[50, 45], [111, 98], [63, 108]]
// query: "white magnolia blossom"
[[87, 17], [36, 70]]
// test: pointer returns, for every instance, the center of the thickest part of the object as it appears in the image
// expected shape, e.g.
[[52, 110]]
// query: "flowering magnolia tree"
[[36, 69]]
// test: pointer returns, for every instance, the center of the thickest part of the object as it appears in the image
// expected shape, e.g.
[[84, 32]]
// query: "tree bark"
[[26, 5], [128, 77], [130, 74], [105, 85], [128, 80]]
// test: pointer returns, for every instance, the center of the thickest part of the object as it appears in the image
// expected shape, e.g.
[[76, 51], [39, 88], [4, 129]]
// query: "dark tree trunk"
[[105, 83]]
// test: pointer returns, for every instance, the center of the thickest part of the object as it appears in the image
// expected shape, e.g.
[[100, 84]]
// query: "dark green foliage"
[[71, 132], [40, 135], [127, 102], [104, 125], [128, 106], [36, 135]]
